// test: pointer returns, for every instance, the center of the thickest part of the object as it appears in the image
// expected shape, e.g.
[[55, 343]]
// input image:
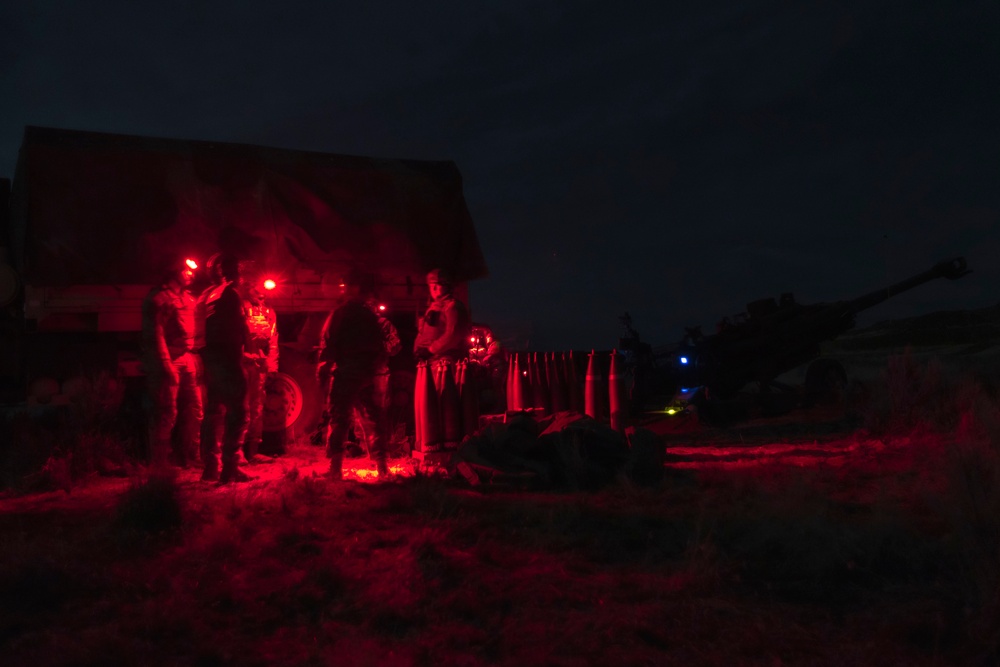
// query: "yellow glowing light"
[[370, 475], [270, 284], [671, 411], [191, 264]]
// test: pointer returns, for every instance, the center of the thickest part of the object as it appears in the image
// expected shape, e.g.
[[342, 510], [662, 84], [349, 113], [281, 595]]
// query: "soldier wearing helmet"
[[260, 356], [443, 331], [171, 368]]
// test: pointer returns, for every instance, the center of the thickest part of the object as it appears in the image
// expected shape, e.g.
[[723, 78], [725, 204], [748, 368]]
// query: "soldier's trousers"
[[175, 405], [352, 391], [256, 376], [225, 419]]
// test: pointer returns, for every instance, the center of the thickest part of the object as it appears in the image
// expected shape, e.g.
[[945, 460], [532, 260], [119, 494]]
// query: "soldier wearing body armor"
[[443, 332], [168, 327], [260, 355], [355, 351], [225, 339]]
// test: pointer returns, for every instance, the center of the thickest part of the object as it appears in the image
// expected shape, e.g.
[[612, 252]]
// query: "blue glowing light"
[[684, 360]]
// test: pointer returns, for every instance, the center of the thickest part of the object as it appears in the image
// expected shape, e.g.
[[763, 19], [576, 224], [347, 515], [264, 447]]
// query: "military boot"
[[336, 472], [210, 472], [232, 474]]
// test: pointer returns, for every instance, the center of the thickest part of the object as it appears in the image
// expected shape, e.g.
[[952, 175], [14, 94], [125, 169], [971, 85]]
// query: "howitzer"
[[771, 338]]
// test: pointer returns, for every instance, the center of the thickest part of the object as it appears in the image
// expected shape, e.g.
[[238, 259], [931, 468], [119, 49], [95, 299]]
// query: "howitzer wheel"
[[826, 380]]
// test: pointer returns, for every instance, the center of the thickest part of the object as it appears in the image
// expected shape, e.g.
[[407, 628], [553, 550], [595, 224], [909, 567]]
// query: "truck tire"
[[292, 400]]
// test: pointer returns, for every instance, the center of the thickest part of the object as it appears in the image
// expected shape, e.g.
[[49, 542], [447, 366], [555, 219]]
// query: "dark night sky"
[[671, 159]]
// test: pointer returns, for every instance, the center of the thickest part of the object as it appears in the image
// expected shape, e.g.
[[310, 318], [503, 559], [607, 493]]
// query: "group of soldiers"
[[207, 357]]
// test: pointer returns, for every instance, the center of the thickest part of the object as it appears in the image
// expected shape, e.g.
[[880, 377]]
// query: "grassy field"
[[880, 545]]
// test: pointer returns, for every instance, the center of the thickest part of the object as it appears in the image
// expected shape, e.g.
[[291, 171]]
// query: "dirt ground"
[[819, 435], [779, 541]]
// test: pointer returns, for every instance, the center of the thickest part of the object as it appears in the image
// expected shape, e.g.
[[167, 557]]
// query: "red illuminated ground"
[[794, 540]]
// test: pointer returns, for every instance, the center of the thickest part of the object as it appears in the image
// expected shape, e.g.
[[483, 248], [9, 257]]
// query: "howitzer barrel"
[[951, 269], [777, 338]]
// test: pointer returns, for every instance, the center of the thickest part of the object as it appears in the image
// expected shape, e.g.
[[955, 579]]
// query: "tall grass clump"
[[55, 446], [962, 414], [150, 508], [33, 455], [805, 537], [98, 444], [429, 496], [913, 396], [973, 502]]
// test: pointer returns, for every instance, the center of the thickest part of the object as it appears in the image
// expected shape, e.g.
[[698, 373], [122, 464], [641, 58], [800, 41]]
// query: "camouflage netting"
[[566, 451], [93, 208]]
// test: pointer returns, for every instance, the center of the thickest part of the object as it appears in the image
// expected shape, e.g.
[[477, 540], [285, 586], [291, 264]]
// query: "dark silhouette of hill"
[[970, 329]]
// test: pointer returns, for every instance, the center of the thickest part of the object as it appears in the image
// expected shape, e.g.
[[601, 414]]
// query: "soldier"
[[210, 294], [260, 356], [171, 368], [444, 330], [225, 379], [355, 350], [487, 368], [391, 345], [443, 339]]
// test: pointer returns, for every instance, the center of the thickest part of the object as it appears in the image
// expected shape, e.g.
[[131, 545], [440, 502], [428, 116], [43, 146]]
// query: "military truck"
[[94, 219]]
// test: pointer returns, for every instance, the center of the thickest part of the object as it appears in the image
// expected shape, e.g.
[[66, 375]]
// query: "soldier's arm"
[[230, 309], [453, 331], [272, 346], [418, 342], [331, 348], [390, 337], [161, 344]]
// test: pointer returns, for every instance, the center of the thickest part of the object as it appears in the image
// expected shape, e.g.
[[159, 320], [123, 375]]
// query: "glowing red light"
[[191, 264], [381, 307], [269, 284]]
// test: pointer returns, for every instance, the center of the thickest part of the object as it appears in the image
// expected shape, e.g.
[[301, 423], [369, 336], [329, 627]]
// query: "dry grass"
[[889, 556]]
